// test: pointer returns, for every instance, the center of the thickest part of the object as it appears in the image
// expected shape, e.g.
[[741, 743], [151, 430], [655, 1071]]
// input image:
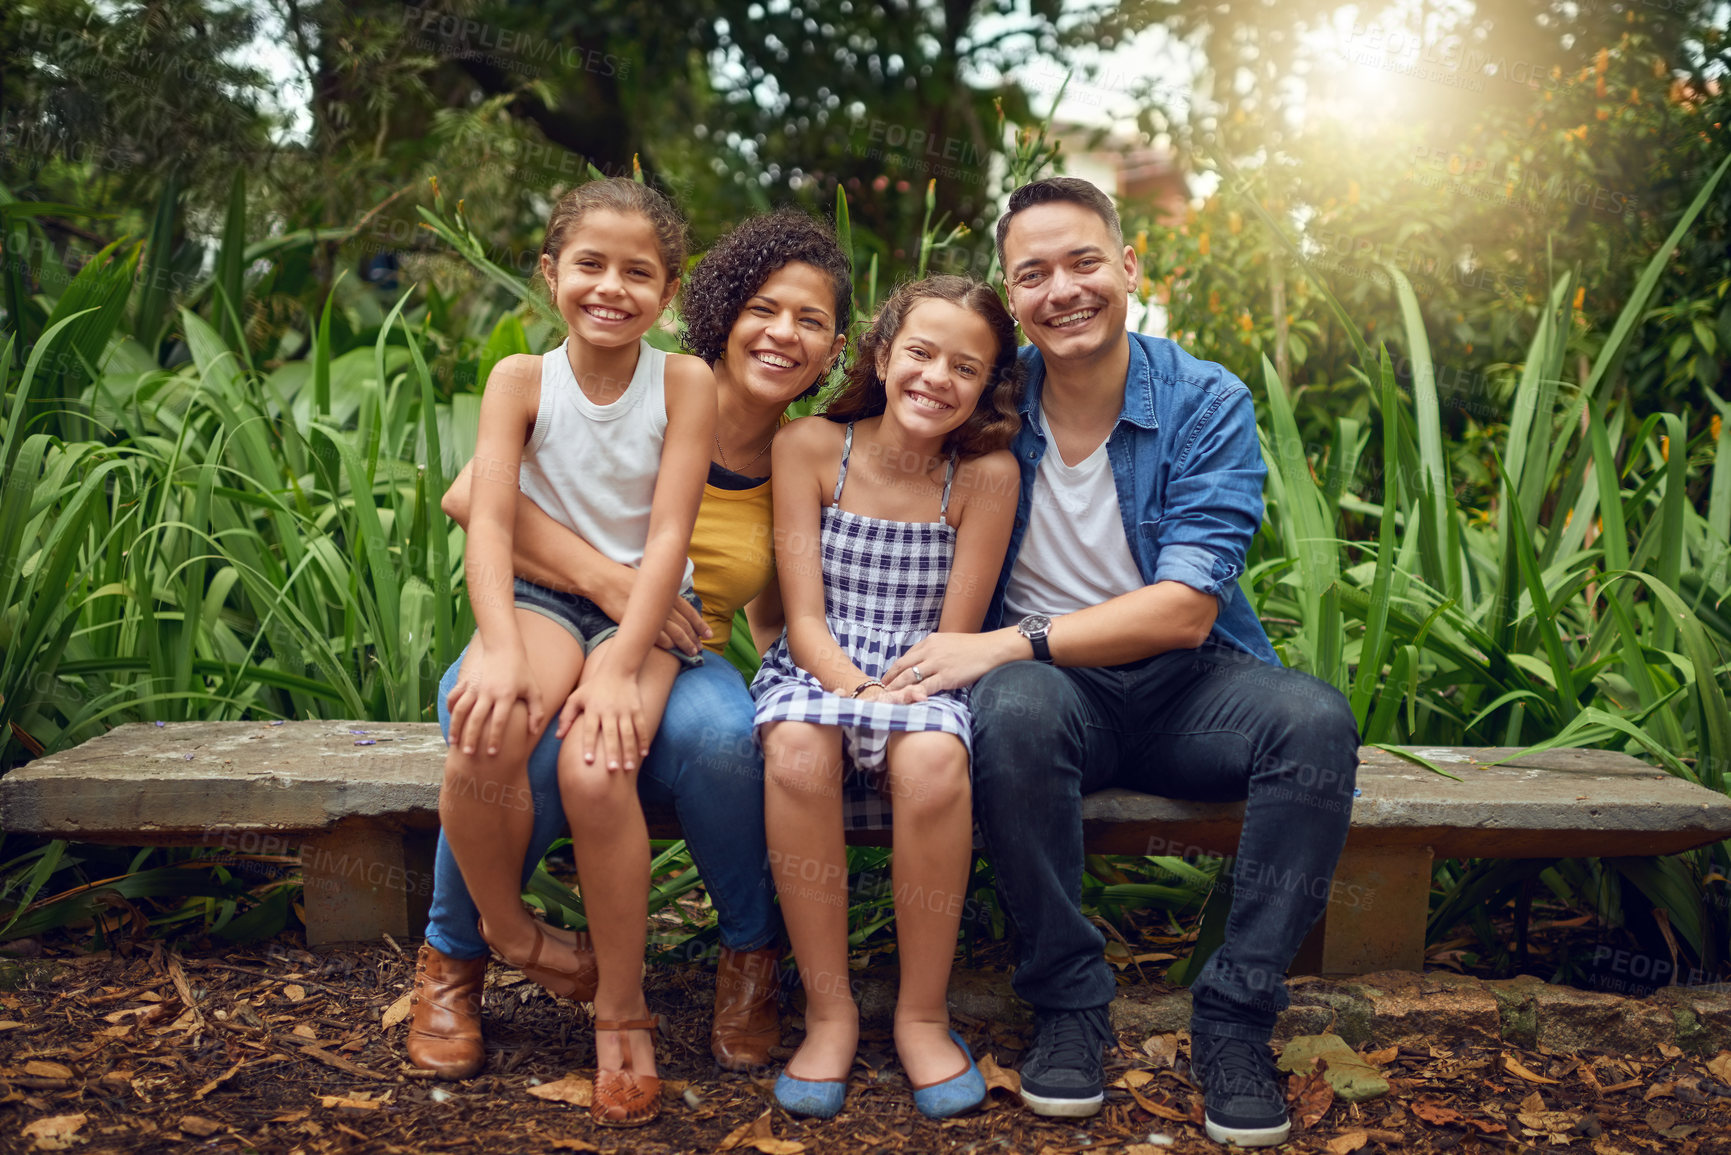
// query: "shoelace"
[[1242, 1068], [1072, 1040]]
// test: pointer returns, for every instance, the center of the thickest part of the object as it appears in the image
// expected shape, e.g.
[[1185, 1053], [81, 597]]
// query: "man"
[[1130, 657]]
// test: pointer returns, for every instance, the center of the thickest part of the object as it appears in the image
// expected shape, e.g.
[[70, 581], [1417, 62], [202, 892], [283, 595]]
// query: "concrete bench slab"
[[358, 801]]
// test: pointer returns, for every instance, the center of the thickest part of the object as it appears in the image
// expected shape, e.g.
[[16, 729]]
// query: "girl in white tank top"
[[610, 437]]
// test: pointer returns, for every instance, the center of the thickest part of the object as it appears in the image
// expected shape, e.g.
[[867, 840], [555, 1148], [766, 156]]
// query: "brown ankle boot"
[[445, 1014], [747, 1025]]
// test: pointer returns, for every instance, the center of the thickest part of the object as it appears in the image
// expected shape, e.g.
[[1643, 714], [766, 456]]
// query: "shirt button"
[[1030, 455]]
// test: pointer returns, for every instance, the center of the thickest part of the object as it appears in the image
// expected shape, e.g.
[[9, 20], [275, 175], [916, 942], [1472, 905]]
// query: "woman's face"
[[784, 337], [937, 366]]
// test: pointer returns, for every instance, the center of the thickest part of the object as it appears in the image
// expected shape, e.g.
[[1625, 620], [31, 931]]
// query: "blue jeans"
[[704, 760], [1213, 724]]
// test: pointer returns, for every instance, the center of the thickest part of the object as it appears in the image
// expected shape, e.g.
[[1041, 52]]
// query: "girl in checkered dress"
[[892, 516]]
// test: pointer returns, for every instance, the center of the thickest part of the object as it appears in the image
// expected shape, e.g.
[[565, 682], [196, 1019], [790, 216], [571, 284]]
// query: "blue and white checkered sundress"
[[883, 590]]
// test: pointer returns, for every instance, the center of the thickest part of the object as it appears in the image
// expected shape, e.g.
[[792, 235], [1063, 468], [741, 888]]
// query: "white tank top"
[[1074, 553], [592, 468]]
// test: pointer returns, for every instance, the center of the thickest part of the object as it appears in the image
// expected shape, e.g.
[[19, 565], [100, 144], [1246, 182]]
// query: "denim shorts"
[[584, 620]]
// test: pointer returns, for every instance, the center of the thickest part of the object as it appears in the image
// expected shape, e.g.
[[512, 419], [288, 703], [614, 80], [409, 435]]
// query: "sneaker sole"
[[1248, 1136], [1063, 1108]]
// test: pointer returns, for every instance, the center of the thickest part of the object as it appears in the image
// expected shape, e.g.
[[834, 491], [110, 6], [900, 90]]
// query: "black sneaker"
[[1061, 1075], [1241, 1088]]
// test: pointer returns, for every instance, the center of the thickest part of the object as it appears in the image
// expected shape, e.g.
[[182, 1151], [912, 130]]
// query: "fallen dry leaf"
[[1158, 1110], [1720, 1067], [294, 992], [998, 1079], [304, 1031], [776, 1146], [1513, 1067], [343, 1101], [1350, 1141], [38, 1069], [216, 1082], [292, 1116], [1533, 1102], [746, 1134], [1665, 1123], [1549, 1121], [1436, 1114], [1670, 1051], [1311, 1096], [567, 1144], [398, 1011], [55, 1132], [1378, 1058], [572, 1089], [200, 1126], [1131, 1079], [1162, 1050]]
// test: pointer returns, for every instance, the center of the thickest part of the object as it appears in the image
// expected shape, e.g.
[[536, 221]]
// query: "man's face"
[[1069, 285]]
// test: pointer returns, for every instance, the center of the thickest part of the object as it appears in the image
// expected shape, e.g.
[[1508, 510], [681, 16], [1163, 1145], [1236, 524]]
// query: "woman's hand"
[[684, 629], [481, 704], [607, 711]]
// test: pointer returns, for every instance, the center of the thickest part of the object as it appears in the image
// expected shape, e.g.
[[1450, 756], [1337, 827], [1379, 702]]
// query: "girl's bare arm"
[[983, 510]]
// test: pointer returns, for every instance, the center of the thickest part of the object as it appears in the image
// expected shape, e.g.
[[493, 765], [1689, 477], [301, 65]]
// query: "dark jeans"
[[1212, 724]]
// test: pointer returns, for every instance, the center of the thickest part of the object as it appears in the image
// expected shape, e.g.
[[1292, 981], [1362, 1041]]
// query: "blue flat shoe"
[[958, 1093], [817, 1098]]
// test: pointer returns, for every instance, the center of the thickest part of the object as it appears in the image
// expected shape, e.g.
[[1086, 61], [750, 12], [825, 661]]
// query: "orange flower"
[[1714, 426], [1602, 61], [1234, 223], [1604, 114], [1665, 448], [1202, 244], [1213, 300], [1580, 296]]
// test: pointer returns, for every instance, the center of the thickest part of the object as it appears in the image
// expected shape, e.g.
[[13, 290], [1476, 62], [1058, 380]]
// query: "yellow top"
[[732, 554]]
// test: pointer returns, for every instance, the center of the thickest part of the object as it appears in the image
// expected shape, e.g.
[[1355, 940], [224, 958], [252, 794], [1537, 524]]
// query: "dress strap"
[[841, 474], [949, 478]]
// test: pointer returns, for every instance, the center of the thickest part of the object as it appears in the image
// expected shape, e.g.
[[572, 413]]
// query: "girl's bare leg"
[[933, 841], [802, 819], [611, 843], [486, 809]]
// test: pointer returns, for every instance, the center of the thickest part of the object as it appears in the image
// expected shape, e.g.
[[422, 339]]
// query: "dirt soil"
[[276, 1049]]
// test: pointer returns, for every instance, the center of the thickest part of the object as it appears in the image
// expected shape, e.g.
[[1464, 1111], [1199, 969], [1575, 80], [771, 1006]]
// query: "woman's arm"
[[983, 510], [548, 554], [608, 696], [479, 709], [801, 461], [765, 615]]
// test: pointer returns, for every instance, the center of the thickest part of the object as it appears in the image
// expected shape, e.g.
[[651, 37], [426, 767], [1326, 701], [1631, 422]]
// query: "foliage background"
[[246, 312]]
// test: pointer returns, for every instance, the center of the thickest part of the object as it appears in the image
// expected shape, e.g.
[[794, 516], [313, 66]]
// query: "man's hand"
[[950, 662]]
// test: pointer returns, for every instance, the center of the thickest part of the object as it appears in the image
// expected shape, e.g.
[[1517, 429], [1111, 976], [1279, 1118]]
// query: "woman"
[[767, 308]]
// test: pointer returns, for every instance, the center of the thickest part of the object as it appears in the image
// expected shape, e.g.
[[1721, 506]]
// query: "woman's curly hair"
[[738, 264], [995, 419]]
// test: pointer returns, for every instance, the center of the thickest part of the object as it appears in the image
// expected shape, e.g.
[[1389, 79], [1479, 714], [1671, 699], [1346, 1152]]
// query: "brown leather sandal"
[[578, 984], [623, 1098]]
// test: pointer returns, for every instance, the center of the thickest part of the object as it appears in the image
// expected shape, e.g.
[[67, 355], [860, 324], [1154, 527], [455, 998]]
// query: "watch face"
[[1035, 625]]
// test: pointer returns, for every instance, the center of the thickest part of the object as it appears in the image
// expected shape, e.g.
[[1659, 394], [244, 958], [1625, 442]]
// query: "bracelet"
[[866, 685]]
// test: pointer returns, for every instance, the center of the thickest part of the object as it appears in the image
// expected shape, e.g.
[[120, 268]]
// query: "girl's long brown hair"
[[994, 420]]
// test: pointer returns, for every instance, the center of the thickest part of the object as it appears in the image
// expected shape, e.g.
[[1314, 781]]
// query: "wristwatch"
[[1035, 627]]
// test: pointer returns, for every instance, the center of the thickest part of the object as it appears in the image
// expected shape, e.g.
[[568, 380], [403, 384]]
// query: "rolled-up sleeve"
[[1213, 503]]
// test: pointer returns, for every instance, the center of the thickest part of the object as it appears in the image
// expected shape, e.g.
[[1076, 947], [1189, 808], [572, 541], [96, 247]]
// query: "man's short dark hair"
[[1075, 190]]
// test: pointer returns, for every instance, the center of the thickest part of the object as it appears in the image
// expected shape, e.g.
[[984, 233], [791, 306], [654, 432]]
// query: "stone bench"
[[358, 803]]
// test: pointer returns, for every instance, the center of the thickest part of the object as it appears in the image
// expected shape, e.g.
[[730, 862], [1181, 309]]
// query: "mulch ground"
[[277, 1049]]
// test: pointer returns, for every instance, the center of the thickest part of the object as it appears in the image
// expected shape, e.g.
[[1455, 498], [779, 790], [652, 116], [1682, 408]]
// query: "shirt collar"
[[1138, 387]]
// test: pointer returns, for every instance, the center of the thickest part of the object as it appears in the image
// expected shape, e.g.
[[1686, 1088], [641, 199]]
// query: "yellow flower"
[[1665, 448], [1714, 426], [1234, 222], [1213, 300], [1604, 114], [1658, 67], [1202, 244], [1351, 192], [1580, 296], [1244, 322], [1142, 242], [1602, 61]]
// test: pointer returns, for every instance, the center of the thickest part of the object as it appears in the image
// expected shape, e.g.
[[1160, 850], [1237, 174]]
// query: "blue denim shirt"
[[1189, 471]]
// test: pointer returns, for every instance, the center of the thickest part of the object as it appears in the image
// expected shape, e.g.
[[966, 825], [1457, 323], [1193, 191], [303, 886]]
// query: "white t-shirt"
[[1074, 553]]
